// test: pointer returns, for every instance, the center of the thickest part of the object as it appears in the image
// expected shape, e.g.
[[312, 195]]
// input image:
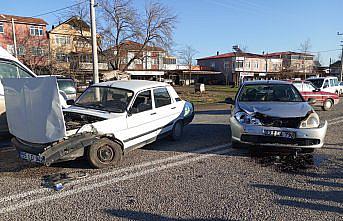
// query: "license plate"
[[31, 157], [278, 133]]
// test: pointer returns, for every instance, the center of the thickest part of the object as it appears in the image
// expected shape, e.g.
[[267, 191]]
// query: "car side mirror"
[[311, 101], [70, 102], [229, 100], [129, 112]]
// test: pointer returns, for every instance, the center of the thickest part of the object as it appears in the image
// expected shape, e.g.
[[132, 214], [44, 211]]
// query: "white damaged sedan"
[[106, 121], [273, 113]]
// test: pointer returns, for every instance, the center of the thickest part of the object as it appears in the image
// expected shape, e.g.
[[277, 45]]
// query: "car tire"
[[104, 153], [177, 131], [328, 104]]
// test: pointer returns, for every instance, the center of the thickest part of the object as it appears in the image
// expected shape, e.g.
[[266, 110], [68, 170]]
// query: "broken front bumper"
[[64, 150], [254, 134]]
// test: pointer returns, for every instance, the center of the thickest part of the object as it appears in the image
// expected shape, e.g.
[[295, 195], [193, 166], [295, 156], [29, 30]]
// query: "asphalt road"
[[198, 178]]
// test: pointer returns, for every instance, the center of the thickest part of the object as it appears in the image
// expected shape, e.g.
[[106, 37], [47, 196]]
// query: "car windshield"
[[105, 98], [66, 85], [316, 82], [269, 93]]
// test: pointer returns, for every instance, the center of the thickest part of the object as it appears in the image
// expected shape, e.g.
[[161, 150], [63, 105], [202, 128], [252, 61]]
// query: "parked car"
[[107, 120], [273, 113], [67, 85], [326, 100], [328, 84]]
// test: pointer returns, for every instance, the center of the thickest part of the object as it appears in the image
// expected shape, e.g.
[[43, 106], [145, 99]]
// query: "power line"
[[61, 9]]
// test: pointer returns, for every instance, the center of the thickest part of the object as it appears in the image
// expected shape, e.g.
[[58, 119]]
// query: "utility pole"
[[94, 43], [341, 58], [14, 39]]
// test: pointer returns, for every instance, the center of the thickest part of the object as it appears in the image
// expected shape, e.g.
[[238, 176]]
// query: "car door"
[[141, 121], [166, 108]]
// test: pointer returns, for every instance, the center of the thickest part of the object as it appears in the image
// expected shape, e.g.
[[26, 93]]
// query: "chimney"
[[53, 26], [217, 53]]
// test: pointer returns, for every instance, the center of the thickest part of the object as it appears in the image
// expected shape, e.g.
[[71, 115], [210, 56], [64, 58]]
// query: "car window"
[[310, 87], [66, 85], [335, 82], [12, 70], [142, 103], [332, 82], [326, 84], [105, 98], [161, 97], [317, 82], [269, 93]]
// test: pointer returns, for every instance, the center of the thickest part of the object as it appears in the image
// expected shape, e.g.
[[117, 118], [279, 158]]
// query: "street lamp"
[[341, 58]]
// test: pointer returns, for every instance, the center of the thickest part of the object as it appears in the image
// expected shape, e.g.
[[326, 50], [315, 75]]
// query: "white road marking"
[[115, 172], [334, 119], [337, 122], [70, 192]]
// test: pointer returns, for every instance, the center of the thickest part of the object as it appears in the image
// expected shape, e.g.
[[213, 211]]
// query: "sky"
[[216, 25]]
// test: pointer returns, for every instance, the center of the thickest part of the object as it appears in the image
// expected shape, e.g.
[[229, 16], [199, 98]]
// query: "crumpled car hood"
[[277, 109]]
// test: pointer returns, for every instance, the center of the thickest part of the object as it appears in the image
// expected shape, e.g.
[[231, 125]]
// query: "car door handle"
[[172, 107], [153, 113]]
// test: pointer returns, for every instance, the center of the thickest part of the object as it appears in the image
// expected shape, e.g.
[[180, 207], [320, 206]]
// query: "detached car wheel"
[[328, 104], [177, 131], [104, 153]]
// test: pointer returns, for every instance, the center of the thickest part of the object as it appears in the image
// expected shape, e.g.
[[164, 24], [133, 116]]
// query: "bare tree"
[[305, 48], [155, 28], [119, 21], [187, 57]]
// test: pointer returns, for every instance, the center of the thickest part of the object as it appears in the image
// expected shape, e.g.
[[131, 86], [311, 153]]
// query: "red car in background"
[[326, 100]]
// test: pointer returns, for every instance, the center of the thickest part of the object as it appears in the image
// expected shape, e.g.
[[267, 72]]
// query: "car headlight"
[[245, 118], [312, 121], [188, 109]]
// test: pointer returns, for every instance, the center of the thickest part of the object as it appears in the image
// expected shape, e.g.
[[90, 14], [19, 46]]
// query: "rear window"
[[66, 85]]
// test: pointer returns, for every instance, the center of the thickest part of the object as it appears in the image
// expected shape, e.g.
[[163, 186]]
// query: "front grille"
[[268, 121], [259, 139]]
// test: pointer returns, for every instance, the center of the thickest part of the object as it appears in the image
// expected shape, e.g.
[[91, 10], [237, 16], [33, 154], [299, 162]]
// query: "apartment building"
[[238, 66], [71, 49], [26, 38], [296, 63]]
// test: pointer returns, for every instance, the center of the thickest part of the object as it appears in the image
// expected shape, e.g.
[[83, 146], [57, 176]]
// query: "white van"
[[328, 84], [10, 67]]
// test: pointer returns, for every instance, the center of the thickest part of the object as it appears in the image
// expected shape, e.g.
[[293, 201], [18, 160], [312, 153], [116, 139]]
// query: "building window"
[[154, 60], [239, 64], [169, 60], [62, 40], [36, 31], [1, 27], [37, 51], [21, 50], [10, 49], [62, 57]]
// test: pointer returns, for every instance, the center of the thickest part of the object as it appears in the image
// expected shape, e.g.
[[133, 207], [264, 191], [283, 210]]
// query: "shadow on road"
[[335, 196], [213, 112], [135, 215]]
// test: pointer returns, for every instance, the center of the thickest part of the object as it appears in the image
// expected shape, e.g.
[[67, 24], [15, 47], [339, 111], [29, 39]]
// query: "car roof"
[[132, 85], [265, 82]]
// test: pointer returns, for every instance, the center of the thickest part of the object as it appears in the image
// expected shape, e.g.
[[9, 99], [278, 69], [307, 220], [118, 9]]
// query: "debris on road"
[[290, 162], [57, 181]]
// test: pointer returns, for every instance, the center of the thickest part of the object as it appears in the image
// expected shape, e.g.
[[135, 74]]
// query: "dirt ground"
[[212, 94]]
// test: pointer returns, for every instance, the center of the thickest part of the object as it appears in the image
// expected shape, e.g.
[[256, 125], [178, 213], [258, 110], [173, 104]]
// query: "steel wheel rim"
[[106, 154]]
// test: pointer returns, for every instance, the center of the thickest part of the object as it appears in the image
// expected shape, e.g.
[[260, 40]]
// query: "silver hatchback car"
[[273, 113]]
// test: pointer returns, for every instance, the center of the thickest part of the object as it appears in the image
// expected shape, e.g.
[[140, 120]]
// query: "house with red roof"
[[239, 66], [26, 38]]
